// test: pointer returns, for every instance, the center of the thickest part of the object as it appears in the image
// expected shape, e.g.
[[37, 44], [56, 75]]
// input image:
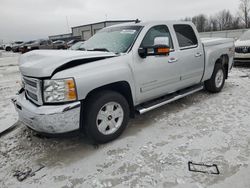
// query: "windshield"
[[245, 36], [114, 39]]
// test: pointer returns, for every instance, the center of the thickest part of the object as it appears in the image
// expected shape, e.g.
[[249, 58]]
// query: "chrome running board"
[[143, 110]]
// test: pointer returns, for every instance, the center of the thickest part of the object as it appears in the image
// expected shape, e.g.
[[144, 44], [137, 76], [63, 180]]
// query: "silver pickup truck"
[[120, 71]]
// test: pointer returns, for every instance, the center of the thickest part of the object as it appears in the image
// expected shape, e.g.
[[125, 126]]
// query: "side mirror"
[[160, 48], [143, 52], [157, 50]]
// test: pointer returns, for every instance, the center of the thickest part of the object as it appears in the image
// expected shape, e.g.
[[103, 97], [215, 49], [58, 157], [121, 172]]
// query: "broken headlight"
[[56, 91]]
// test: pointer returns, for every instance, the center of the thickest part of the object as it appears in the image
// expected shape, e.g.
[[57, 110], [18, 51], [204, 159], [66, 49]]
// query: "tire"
[[101, 122], [8, 49], [217, 81]]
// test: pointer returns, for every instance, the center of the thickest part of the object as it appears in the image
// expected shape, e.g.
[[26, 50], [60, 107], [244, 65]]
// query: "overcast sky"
[[32, 19]]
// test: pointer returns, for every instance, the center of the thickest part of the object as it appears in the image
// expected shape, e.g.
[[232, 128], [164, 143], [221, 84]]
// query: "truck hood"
[[242, 43], [43, 63]]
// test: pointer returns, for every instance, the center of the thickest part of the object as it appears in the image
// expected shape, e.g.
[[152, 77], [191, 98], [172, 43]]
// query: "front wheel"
[[217, 81], [106, 116]]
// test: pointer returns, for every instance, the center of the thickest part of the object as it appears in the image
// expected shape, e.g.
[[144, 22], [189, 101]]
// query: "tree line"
[[223, 20]]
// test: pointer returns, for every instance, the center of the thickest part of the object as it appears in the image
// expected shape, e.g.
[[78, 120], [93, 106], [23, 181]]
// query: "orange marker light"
[[71, 90], [163, 50]]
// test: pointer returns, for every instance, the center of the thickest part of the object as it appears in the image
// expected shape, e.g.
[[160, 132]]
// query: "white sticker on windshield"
[[128, 31]]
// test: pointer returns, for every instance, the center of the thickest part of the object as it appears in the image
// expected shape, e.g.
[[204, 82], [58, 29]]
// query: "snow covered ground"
[[154, 151], [9, 77]]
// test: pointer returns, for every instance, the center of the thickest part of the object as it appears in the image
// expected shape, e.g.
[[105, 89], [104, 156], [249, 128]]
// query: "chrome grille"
[[32, 88], [242, 49]]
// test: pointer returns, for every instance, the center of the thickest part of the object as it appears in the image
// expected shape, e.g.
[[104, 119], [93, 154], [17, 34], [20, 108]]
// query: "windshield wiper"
[[99, 49], [82, 49]]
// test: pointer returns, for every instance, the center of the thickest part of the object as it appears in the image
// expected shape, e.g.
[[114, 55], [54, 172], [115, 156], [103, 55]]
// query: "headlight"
[[56, 91], [29, 47]]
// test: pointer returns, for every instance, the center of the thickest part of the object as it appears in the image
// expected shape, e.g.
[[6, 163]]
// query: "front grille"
[[33, 96], [29, 82], [242, 49], [32, 88]]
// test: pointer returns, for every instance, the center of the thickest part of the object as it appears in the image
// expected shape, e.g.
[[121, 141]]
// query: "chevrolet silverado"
[[121, 71]]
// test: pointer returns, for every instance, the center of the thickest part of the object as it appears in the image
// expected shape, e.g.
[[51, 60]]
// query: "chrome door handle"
[[172, 60], [198, 54]]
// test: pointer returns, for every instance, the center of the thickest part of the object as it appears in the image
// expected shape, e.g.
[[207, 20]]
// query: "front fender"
[[94, 75]]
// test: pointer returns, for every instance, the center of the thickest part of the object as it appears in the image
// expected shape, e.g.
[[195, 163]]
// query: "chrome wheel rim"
[[219, 78], [109, 118]]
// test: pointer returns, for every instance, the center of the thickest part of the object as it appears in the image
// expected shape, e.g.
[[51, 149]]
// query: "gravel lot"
[[154, 151]]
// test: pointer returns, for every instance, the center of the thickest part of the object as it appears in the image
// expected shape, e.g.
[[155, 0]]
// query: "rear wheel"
[[106, 116], [217, 81]]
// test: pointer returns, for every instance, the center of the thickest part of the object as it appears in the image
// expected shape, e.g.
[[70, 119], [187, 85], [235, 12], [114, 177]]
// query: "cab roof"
[[151, 23]]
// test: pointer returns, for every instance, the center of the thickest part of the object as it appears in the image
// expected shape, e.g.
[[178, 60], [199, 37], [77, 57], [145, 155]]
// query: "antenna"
[[137, 21], [67, 21]]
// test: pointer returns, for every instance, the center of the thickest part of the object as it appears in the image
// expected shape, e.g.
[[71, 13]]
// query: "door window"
[[157, 31], [185, 36]]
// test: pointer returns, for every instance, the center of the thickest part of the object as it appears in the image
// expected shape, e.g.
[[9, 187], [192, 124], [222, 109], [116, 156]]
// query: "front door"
[[156, 76]]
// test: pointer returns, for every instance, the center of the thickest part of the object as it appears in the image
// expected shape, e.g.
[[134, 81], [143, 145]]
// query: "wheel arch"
[[211, 60], [225, 63], [122, 87]]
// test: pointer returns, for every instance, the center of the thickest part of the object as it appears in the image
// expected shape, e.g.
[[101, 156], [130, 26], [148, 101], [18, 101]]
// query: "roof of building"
[[66, 34], [108, 21]]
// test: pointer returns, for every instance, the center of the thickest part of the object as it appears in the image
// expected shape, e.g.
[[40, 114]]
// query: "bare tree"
[[187, 19], [236, 23], [244, 11], [224, 19], [212, 24], [200, 21]]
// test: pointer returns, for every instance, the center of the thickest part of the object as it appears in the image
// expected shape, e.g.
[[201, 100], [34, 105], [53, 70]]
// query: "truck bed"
[[215, 41]]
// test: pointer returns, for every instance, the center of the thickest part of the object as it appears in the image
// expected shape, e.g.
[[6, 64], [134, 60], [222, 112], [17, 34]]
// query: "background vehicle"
[[23, 47], [242, 49], [59, 44], [16, 46], [36, 45], [125, 69], [8, 47]]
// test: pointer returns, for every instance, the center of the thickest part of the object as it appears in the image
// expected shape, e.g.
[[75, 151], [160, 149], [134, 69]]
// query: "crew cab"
[[121, 71]]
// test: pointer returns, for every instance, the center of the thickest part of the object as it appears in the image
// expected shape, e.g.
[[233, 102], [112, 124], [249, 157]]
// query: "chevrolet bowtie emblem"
[[245, 49]]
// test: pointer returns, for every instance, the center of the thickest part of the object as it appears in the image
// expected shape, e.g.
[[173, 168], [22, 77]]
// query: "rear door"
[[191, 55]]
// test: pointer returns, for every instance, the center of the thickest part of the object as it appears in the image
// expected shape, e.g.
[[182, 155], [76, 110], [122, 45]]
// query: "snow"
[[9, 77], [154, 151]]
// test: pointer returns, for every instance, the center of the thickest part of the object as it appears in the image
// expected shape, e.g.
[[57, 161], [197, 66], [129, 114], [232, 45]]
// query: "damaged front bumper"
[[51, 119]]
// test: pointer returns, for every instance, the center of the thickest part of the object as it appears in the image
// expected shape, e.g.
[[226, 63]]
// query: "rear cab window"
[[186, 36]]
